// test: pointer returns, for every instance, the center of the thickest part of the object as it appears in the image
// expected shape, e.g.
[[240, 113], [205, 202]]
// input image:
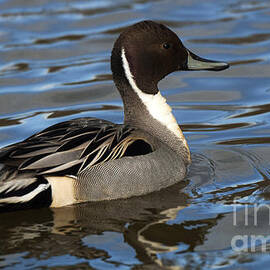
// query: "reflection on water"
[[54, 66]]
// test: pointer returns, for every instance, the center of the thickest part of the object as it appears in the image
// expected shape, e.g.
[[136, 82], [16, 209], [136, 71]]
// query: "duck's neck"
[[149, 112], [153, 114]]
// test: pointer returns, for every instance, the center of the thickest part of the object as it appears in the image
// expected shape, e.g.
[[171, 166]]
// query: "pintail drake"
[[88, 159]]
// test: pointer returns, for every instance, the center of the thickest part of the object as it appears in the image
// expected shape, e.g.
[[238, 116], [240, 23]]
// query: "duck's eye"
[[166, 46]]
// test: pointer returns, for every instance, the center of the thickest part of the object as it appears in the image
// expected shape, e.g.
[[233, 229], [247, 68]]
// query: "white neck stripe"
[[155, 104]]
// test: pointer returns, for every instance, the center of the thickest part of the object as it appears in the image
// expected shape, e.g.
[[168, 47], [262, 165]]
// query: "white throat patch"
[[155, 104]]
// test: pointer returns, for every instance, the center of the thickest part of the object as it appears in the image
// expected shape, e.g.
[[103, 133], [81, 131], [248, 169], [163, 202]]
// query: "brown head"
[[153, 51]]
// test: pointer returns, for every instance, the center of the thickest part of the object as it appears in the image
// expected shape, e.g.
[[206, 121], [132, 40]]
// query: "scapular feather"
[[72, 145]]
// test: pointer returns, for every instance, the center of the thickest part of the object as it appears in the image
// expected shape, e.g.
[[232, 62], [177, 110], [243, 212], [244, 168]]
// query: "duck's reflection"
[[139, 226]]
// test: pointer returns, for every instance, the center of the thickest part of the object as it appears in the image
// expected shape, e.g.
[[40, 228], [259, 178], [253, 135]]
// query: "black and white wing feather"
[[67, 148]]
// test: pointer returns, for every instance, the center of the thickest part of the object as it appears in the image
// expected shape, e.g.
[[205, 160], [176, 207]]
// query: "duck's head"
[[148, 51]]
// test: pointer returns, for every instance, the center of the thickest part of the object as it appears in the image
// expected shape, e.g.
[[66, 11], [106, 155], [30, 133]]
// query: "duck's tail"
[[25, 193]]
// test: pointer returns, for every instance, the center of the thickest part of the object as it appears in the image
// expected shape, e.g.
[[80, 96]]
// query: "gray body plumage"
[[103, 161], [131, 176]]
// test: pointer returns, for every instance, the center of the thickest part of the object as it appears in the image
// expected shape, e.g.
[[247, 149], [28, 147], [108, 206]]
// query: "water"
[[54, 66]]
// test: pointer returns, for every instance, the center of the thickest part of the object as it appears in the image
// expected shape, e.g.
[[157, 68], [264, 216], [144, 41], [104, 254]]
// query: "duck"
[[88, 159]]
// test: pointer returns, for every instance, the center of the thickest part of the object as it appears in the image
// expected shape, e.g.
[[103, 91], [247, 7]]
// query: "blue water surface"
[[55, 66]]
